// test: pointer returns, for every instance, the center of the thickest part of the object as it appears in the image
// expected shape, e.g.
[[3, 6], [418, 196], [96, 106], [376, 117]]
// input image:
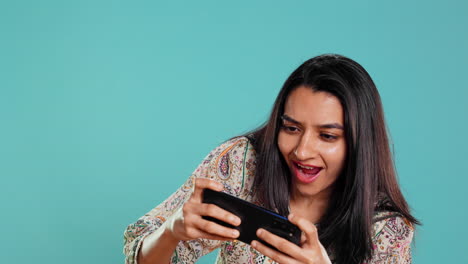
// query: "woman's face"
[[312, 141]]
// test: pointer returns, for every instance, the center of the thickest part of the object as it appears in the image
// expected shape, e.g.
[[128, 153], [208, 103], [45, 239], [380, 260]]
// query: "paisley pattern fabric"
[[233, 164]]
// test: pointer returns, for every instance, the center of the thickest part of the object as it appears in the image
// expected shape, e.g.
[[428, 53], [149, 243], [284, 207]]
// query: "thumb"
[[303, 238], [309, 230]]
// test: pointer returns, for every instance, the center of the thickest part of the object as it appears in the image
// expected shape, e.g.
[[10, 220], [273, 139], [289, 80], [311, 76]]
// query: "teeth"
[[305, 167]]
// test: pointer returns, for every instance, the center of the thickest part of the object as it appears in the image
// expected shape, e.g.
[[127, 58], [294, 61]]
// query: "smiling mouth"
[[306, 173]]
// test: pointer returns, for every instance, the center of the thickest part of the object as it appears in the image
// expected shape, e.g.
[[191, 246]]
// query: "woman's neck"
[[311, 208]]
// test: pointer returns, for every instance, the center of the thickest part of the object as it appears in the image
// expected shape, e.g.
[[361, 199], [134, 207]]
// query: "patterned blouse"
[[233, 164]]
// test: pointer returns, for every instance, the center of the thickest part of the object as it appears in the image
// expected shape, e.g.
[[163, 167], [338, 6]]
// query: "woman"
[[322, 158]]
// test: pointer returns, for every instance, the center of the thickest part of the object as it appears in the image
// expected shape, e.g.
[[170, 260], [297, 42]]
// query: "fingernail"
[[232, 219], [254, 243], [259, 232], [235, 233]]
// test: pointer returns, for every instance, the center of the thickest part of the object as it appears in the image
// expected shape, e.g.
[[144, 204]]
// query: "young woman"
[[322, 159]]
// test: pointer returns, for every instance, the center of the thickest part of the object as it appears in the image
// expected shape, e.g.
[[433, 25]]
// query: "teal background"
[[106, 107]]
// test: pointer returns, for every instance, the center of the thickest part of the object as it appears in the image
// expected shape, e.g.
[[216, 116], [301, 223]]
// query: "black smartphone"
[[252, 218]]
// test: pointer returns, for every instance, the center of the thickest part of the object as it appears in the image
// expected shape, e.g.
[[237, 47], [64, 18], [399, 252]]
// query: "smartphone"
[[252, 218]]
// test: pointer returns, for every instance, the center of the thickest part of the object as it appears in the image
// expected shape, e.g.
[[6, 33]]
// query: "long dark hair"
[[368, 181]]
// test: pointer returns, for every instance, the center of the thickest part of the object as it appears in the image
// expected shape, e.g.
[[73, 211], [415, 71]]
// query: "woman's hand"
[[188, 224], [310, 251]]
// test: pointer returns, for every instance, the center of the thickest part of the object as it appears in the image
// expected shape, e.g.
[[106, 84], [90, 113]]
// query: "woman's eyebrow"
[[334, 125], [292, 120]]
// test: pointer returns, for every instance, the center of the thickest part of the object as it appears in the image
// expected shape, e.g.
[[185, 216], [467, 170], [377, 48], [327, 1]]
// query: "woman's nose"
[[306, 148]]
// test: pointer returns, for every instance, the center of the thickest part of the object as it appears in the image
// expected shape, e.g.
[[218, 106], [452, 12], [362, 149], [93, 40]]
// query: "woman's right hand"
[[188, 224]]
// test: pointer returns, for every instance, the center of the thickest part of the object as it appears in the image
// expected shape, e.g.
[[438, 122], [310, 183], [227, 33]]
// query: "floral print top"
[[233, 164]]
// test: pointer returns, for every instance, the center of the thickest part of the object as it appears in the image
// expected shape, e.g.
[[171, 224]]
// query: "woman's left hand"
[[310, 251]]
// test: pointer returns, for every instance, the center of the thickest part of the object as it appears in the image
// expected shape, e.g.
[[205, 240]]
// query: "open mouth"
[[306, 173]]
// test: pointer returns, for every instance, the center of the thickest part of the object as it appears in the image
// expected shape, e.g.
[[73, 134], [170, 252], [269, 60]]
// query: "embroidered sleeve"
[[392, 241], [221, 165]]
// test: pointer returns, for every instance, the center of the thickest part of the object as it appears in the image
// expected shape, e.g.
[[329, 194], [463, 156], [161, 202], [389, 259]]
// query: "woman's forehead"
[[308, 106]]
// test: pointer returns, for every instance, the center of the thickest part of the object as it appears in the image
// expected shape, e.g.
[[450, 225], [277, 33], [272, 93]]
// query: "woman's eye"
[[328, 137], [290, 128]]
